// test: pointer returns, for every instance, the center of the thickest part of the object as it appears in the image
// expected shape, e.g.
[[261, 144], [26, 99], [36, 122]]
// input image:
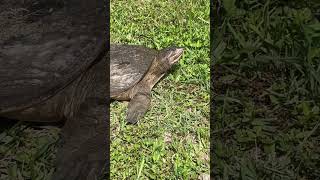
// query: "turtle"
[[53, 67], [134, 70]]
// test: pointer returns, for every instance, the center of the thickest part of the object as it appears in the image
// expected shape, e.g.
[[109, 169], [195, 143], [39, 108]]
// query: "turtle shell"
[[45, 45], [128, 65]]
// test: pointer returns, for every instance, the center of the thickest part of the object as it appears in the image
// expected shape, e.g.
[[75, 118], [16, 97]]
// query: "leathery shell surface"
[[128, 65]]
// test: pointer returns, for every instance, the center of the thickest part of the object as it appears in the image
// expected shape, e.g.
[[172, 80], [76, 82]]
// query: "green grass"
[[27, 151], [172, 140], [267, 90]]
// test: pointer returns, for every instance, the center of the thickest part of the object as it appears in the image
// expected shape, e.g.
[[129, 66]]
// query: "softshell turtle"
[[52, 63], [134, 70], [53, 68]]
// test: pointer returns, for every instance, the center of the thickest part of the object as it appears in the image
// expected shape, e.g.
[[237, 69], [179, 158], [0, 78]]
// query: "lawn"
[[172, 140], [27, 150], [266, 90]]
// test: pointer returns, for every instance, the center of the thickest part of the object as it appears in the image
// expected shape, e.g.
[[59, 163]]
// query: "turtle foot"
[[79, 168], [134, 117], [83, 154], [137, 107]]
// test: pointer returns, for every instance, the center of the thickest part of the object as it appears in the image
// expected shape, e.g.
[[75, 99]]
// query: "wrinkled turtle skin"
[[134, 70], [52, 63]]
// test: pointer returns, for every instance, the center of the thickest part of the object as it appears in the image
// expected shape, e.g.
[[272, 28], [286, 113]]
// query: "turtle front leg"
[[83, 154], [138, 106]]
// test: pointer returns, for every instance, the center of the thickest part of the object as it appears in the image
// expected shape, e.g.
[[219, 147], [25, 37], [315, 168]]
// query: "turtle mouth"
[[175, 55]]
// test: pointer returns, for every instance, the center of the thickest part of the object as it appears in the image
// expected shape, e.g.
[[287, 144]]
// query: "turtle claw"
[[132, 121], [133, 118]]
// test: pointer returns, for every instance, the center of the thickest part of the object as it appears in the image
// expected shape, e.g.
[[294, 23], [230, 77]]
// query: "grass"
[[172, 140], [27, 151], [266, 90]]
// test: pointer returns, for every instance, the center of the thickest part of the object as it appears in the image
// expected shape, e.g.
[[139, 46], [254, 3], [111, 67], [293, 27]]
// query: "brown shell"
[[44, 47], [128, 65]]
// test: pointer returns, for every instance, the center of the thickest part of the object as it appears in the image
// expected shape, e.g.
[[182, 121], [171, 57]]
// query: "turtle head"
[[166, 58], [161, 64], [170, 55]]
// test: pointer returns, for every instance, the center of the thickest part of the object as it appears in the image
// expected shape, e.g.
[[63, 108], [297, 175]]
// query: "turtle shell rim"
[[99, 56]]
